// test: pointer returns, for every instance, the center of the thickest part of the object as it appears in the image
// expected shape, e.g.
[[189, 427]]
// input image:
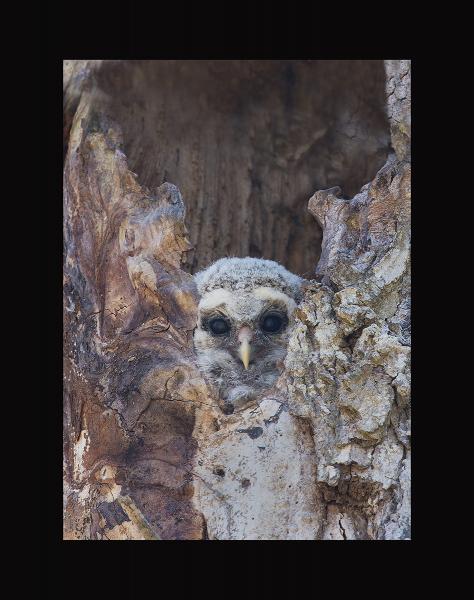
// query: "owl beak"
[[244, 353], [244, 337]]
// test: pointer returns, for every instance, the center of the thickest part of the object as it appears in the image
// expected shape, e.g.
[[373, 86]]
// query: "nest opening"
[[248, 143]]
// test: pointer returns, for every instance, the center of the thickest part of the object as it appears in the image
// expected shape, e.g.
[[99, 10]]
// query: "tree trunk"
[[148, 454]]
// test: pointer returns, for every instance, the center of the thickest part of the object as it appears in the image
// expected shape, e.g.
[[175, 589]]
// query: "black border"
[[442, 193]]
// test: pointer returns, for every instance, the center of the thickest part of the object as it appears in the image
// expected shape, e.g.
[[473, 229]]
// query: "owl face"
[[242, 333]]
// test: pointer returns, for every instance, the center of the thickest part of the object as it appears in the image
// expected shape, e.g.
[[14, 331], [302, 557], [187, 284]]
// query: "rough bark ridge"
[[148, 454]]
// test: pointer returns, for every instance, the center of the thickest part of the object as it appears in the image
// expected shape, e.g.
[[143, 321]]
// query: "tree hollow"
[[248, 142]]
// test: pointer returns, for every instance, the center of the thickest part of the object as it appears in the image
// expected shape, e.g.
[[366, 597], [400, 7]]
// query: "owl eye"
[[272, 323], [219, 326]]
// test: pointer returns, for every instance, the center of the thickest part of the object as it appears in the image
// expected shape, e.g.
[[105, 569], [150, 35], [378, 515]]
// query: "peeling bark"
[[148, 454]]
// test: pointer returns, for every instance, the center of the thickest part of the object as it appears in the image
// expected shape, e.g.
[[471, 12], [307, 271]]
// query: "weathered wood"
[[129, 315]]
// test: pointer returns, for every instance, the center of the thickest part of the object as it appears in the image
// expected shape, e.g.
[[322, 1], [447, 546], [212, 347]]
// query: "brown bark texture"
[[169, 165]]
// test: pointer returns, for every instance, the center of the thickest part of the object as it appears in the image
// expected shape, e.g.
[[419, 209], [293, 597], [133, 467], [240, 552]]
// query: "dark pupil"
[[272, 323], [219, 326]]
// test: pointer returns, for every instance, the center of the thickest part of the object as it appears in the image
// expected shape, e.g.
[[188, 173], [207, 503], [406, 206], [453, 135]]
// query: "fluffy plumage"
[[244, 318], [247, 273]]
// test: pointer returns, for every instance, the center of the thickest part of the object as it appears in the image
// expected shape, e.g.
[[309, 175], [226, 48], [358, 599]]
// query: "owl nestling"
[[244, 317]]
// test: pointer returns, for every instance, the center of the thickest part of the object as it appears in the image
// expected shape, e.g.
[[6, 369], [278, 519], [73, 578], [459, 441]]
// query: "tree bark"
[[148, 454]]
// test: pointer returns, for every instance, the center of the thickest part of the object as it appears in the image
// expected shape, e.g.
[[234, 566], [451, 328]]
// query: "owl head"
[[245, 314]]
